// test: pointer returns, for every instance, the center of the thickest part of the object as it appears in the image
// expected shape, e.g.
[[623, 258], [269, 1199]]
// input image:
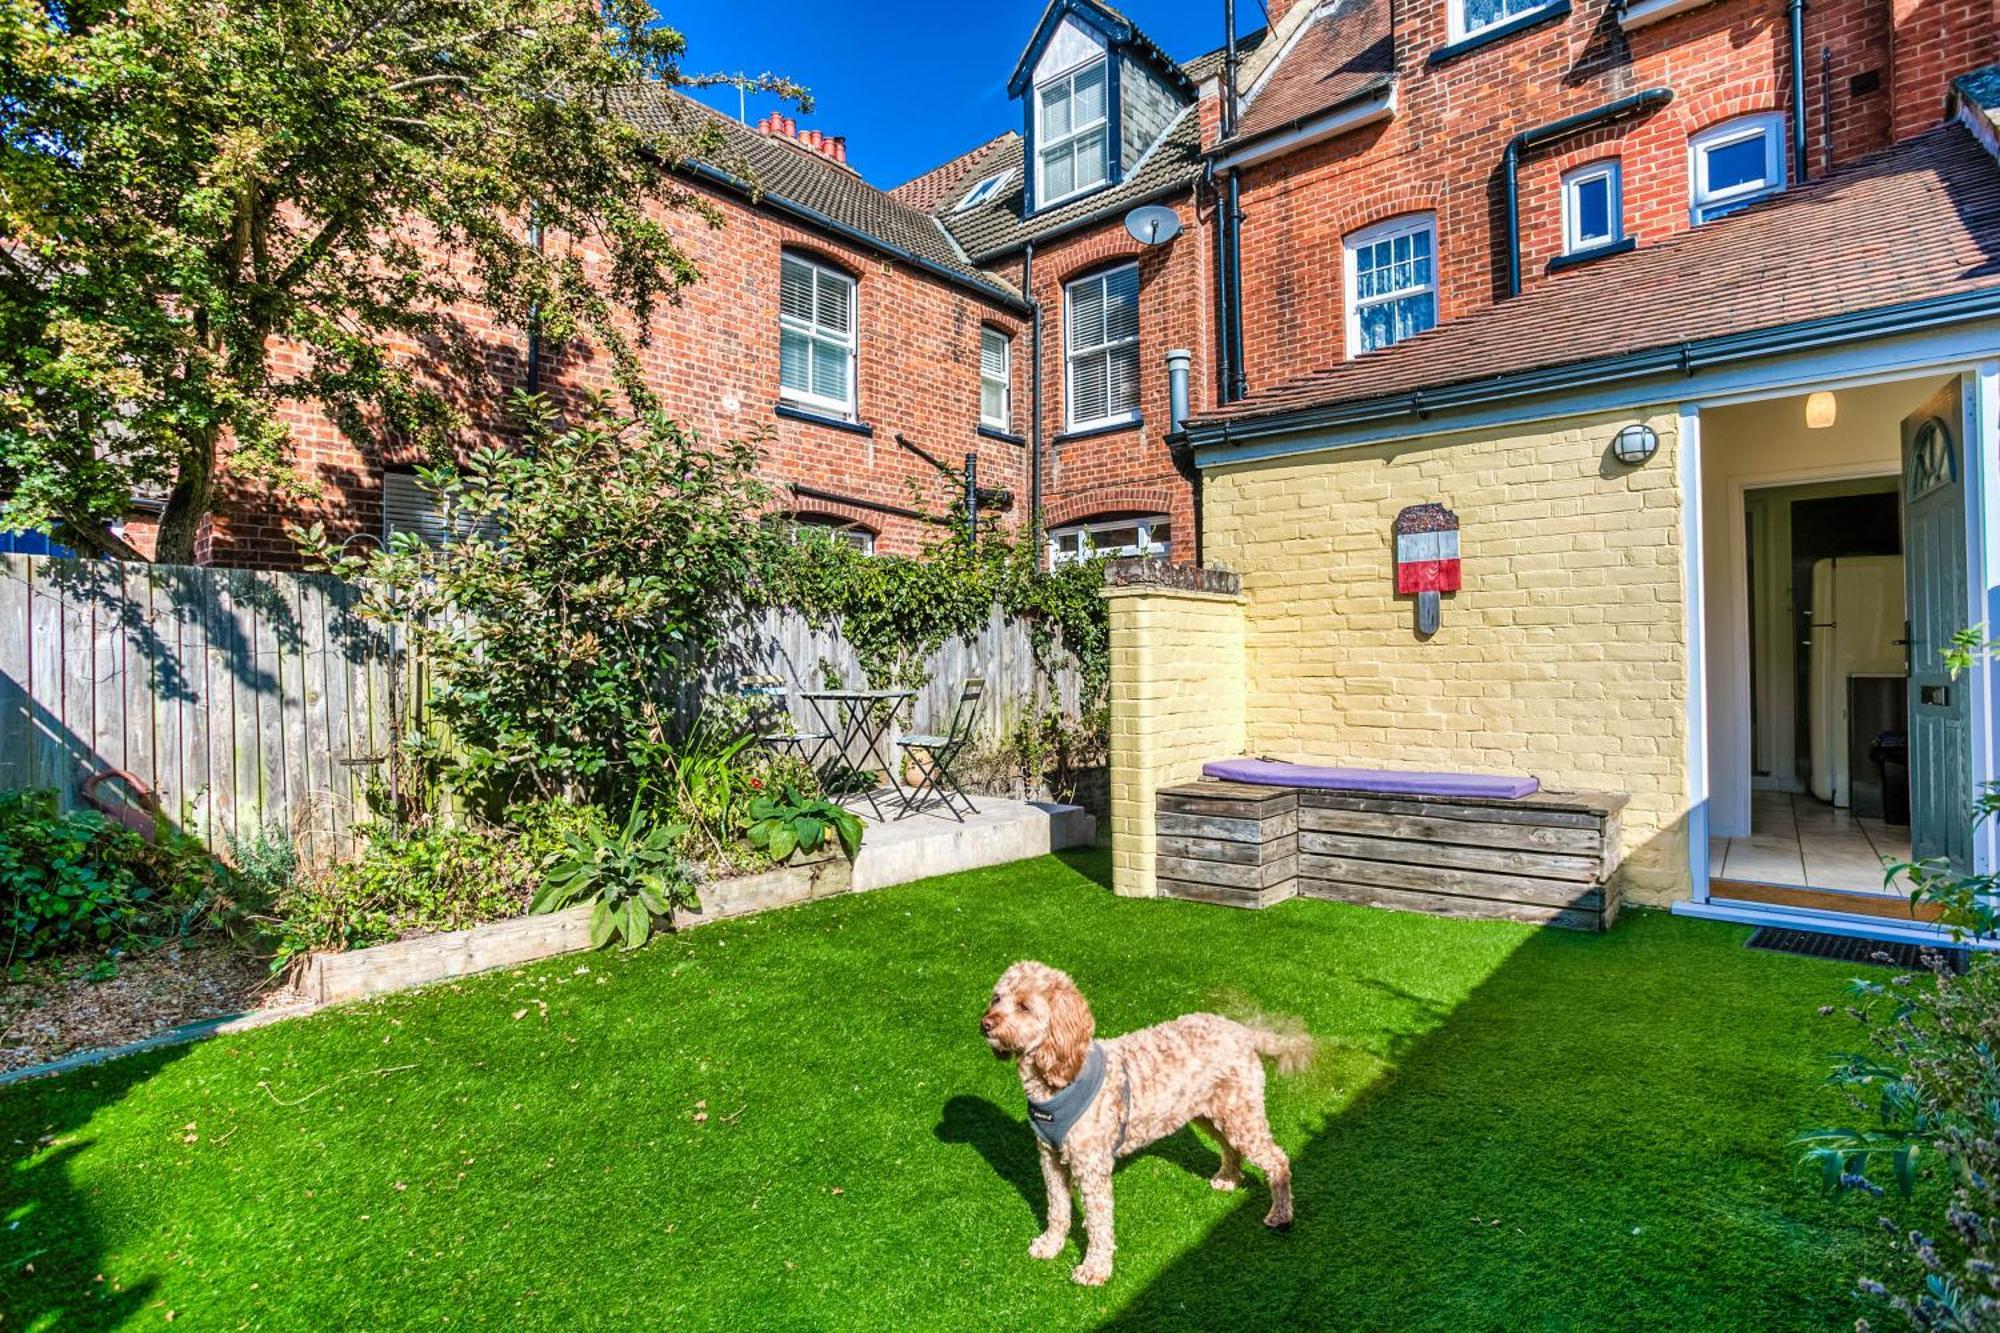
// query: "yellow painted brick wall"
[[1564, 655], [1177, 696]]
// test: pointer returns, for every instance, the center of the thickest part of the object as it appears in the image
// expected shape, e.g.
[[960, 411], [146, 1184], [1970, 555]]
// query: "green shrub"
[[630, 876], [68, 879], [782, 822]]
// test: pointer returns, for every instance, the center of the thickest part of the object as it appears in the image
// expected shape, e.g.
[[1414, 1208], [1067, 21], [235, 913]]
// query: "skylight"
[[985, 190]]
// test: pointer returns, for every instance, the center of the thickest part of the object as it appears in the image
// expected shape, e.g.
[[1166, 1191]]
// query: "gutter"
[[1364, 108], [1034, 404], [1684, 359], [813, 217], [1510, 161]]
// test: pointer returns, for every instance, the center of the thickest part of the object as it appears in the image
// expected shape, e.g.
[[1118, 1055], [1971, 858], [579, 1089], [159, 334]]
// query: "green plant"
[[788, 821], [408, 879], [264, 863], [630, 876], [67, 878], [1928, 1089], [554, 658]]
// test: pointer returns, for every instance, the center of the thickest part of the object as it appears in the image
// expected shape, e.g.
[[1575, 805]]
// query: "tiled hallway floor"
[[1795, 839]]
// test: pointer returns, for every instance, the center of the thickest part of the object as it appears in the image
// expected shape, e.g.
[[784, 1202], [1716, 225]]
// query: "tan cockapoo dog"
[[1092, 1102]]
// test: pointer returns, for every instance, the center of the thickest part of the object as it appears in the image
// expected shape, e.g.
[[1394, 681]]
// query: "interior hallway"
[[1795, 839]]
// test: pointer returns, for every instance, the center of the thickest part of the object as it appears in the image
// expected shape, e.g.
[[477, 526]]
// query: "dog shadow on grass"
[[1004, 1139]]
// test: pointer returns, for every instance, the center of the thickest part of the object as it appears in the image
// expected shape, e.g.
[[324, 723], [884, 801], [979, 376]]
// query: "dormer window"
[[985, 191], [1072, 133]]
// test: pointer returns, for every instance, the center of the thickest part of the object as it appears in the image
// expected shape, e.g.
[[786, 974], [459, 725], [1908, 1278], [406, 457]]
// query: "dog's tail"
[[1292, 1049]]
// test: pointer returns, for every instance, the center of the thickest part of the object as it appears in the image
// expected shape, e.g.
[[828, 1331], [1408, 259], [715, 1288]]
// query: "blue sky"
[[910, 85]]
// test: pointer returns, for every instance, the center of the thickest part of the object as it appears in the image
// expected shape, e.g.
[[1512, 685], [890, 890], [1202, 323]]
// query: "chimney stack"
[[831, 146]]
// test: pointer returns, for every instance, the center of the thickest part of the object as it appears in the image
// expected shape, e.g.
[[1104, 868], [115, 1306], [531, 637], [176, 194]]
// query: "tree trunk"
[[187, 503]]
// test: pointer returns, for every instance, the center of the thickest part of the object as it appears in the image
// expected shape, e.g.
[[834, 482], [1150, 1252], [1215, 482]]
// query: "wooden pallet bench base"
[[1549, 859]]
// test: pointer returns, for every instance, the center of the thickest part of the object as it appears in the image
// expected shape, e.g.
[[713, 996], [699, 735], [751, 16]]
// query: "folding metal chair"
[[933, 755], [772, 709]]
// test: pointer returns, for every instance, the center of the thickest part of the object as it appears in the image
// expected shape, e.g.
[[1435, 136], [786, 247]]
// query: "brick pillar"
[[1178, 689]]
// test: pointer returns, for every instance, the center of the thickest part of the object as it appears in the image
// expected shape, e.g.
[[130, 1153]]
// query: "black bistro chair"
[[933, 756], [771, 718]]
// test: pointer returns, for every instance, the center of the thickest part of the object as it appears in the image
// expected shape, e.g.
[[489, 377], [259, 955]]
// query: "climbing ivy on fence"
[[896, 611]]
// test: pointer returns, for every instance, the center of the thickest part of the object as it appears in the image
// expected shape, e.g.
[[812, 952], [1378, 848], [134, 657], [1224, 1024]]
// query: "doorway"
[[1809, 666]]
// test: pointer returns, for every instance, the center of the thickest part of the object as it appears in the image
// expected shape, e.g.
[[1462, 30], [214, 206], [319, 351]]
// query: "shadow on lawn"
[[1592, 1138], [1008, 1145], [45, 1219]]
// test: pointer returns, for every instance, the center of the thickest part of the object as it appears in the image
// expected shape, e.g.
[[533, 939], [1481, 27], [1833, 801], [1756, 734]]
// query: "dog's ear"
[[1071, 1027]]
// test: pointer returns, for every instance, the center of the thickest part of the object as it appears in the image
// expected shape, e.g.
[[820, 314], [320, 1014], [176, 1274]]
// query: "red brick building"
[[1384, 168]]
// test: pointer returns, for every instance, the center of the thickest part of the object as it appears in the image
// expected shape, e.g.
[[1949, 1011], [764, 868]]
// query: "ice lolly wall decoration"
[[1426, 559]]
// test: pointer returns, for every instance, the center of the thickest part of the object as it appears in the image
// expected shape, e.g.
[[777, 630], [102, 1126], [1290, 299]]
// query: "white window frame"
[[1072, 353], [823, 334], [1610, 170], [1146, 546], [1100, 126], [1460, 31], [1351, 246], [984, 191], [1005, 379], [1705, 205], [833, 528]]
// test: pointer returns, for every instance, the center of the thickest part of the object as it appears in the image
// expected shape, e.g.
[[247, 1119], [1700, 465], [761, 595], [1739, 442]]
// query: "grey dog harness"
[[1054, 1117]]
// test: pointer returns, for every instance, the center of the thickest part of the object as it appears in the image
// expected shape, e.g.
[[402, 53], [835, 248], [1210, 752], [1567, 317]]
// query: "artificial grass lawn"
[[790, 1122]]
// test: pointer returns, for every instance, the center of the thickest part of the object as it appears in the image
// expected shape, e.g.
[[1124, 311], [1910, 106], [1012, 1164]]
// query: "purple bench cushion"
[[1388, 781]]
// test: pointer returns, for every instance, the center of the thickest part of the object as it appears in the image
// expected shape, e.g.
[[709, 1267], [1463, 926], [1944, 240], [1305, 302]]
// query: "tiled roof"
[[997, 228], [1344, 52], [1918, 221], [799, 176], [941, 185]]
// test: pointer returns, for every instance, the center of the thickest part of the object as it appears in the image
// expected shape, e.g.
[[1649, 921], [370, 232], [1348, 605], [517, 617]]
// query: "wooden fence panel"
[[243, 698]]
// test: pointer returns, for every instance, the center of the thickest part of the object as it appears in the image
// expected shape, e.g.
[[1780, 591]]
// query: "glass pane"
[[1124, 371], [795, 297], [1121, 301], [1089, 157], [992, 401], [1058, 173], [1115, 539], [1055, 110], [829, 371], [795, 361], [992, 353], [835, 301], [1592, 202], [1414, 314], [1733, 165], [1086, 314], [1088, 104], [1158, 532], [1088, 387]]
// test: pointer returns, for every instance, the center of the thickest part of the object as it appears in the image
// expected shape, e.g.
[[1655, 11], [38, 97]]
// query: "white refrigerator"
[[1857, 620]]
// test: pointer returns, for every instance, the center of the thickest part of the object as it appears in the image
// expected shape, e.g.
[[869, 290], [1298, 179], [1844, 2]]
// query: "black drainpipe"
[[1229, 230], [1795, 15], [534, 315], [1556, 129], [1034, 401]]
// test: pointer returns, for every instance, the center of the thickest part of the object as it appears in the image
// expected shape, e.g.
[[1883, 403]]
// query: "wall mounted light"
[[1635, 444], [1821, 410]]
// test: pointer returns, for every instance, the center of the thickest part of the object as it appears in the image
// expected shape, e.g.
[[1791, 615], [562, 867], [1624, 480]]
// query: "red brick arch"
[[1369, 208], [1105, 503]]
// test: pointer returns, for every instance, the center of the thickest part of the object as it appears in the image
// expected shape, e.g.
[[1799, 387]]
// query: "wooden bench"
[[1549, 858], [1227, 842]]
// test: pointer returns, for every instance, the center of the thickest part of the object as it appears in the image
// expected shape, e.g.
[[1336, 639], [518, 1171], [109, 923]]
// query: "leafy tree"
[[599, 566], [212, 208]]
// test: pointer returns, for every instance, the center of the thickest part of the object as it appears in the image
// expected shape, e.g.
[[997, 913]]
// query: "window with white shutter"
[[1101, 341], [996, 358], [408, 507], [816, 336]]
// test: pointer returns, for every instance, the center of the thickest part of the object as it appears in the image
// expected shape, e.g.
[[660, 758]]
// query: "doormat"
[[1851, 949]]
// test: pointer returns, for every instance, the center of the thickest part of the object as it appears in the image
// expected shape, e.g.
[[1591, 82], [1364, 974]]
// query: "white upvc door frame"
[[1982, 569], [1687, 443]]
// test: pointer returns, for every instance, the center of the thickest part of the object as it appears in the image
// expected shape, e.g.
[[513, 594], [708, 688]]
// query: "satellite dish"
[[1153, 224]]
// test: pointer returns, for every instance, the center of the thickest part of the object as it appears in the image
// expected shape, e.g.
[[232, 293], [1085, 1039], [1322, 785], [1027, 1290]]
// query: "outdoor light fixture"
[[1821, 409], [1635, 444]]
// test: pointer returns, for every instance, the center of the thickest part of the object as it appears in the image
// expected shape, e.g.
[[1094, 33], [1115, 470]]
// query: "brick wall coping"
[[1140, 575]]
